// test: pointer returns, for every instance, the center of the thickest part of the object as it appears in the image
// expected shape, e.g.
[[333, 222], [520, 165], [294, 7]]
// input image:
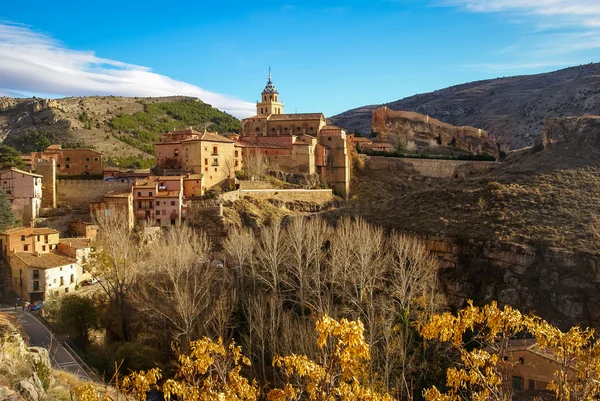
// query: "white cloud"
[[33, 62], [559, 32]]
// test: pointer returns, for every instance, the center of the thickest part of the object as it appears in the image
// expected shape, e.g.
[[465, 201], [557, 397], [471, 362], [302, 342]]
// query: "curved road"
[[40, 336]]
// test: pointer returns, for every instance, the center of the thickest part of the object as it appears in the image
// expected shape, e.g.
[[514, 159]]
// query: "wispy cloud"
[[33, 62], [560, 32]]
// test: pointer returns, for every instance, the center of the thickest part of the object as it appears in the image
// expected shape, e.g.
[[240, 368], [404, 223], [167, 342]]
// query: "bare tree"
[[115, 262], [255, 164], [177, 284]]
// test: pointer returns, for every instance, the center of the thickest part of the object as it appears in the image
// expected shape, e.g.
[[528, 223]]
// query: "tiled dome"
[[270, 88]]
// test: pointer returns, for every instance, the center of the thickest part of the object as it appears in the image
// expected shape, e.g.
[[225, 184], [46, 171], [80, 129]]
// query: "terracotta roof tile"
[[299, 116], [44, 260], [77, 243], [30, 231]]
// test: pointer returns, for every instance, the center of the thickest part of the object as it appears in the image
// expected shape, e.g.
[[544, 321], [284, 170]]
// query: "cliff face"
[[419, 132], [560, 285], [572, 129]]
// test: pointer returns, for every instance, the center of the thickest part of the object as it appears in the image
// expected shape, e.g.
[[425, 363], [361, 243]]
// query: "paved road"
[[40, 336]]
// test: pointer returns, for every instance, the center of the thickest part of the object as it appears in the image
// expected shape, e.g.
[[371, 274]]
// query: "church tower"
[[269, 103]]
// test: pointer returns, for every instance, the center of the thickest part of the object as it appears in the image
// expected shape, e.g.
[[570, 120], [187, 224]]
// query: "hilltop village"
[[253, 234]]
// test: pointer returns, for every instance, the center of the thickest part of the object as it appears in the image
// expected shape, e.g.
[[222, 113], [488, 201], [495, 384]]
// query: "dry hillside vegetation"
[[546, 197], [115, 126], [513, 110]]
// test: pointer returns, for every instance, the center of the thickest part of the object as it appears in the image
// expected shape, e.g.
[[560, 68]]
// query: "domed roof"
[[270, 88]]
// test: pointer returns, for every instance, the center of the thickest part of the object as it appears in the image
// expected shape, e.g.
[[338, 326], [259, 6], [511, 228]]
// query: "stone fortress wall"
[[433, 168]]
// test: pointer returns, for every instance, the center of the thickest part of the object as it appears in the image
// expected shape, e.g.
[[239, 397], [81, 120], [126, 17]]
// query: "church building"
[[299, 142]]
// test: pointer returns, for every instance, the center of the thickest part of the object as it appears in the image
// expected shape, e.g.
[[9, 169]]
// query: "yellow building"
[[301, 142], [210, 154]]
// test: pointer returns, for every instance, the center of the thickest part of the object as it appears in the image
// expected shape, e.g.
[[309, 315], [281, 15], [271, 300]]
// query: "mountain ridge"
[[512, 109]]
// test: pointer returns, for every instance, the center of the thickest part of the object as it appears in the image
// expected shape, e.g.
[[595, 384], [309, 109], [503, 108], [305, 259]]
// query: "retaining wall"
[[80, 193], [430, 167]]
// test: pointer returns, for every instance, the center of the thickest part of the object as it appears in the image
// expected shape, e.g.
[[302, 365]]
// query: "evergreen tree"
[[10, 157], [7, 217]]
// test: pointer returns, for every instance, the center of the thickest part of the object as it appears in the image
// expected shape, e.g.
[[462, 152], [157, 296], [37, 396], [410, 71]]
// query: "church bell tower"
[[269, 100]]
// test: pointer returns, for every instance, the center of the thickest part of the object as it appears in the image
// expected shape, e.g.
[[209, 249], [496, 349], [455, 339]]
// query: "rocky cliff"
[[525, 232], [572, 129], [25, 372], [512, 109], [421, 133]]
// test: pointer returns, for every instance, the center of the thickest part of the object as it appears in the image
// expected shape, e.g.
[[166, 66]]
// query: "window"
[[96, 159], [521, 360], [58, 166], [176, 152], [67, 290], [235, 163], [44, 248], [54, 281], [206, 161], [149, 193], [158, 221], [67, 166], [62, 280], [139, 204], [36, 285], [215, 169], [215, 150], [165, 202], [25, 248], [139, 194], [172, 203], [172, 221], [68, 159], [87, 159], [86, 166], [36, 274], [46, 239], [531, 384], [157, 212], [206, 169], [517, 383], [215, 161], [257, 129], [72, 279], [61, 269], [22, 238], [236, 153]]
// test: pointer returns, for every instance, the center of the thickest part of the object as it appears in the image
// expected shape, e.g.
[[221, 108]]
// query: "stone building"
[[25, 192], [301, 142], [38, 266], [191, 152], [159, 200], [71, 161], [121, 201]]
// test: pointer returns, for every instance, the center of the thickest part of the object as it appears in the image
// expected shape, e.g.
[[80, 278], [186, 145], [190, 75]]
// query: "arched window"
[[261, 110], [271, 97], [275, 97]]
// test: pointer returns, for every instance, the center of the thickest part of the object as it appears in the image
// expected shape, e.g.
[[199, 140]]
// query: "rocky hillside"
[[513, 110], [115, 126], [526, 232], [25, 372]]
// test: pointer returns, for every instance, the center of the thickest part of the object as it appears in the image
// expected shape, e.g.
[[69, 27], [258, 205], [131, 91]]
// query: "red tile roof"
[[299, 116]]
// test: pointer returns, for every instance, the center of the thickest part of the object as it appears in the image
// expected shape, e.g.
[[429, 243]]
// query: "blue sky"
[[326, 56]]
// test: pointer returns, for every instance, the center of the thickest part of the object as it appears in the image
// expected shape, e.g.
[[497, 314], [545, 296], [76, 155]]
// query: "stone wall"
[[290, 195], [558, 285], [248, 184], [434, 168], [78, 194]]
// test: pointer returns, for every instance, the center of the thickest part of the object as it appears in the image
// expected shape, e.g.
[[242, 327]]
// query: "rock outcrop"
[[44, 104], [559, 285], [572, 129], [7, 102], [418, 132]]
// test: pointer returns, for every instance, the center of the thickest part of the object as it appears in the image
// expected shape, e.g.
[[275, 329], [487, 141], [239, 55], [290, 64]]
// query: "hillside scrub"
[[142, 129]]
